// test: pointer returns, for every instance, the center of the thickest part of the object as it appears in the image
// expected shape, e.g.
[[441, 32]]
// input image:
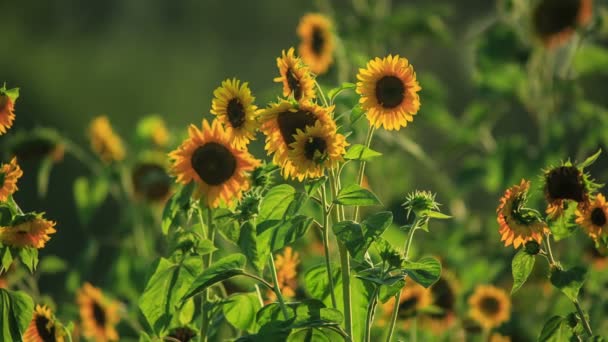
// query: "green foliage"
[[355, 195], [358, 237], [569, 281], [89, 195], [16, 310], [425, 271], [240, 310], [361, 152], [225, 268], [179, 203], [521, 267]]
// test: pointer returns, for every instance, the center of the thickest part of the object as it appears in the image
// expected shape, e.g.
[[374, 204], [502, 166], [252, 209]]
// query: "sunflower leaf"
[[521, 267], [425, 271], [332, 93], [180, 201], [240, 310], [356, 113], [361, 152], [569, 281], [355, 195], [555, 330], [29, 257], [223, 269], [590, 160], [16, 310]]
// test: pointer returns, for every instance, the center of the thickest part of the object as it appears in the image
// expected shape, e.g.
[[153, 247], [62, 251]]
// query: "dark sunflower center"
[[553, 16], [214, 163], [45, 334], [489, 305], [318, 41], [314, 145], [294, 84], [390, 91], [236, 113], [443, 298], [290, 122], [182, 334], [409, 304], [151, 181], [99, 314], [598, 217], [566, 182]]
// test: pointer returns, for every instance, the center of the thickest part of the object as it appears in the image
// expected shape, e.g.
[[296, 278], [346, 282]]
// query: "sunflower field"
[[348, 170]]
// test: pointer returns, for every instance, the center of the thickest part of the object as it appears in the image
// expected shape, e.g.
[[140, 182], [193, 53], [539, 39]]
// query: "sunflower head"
[[420, 203], [151, 181], [233, 105], [489, 306], [99, 315], [518, 224], [38, 143], [555, 21], [208, 158], [593, 218], [567, 182], [104, 141], [29, 230], [389, 92], [317, 42], [153, 129], [414, 297], [444, 293], [7, 107], [9, 175], [43, 327], [183, 334], [296, 77]]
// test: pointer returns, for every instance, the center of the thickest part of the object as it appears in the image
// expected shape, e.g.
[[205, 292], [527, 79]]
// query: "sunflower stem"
[[370, 315], [323, 98], [276, 287], [325, 233], [581, 313], [368, 142], [208, 224], [346, 290], [394, 317], [549, 251]]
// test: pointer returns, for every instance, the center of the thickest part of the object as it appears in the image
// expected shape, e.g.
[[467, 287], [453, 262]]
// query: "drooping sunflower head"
[[389, 92], [564, 183], [555, 21], [9, 175], [38, 143], [489, 306], [208, 158], [281, 123], [183, 334], [518, 224], [104, 141], [317, 42], [296, 77], [151, 180], [233, 105], [593, 218], [152, 129], [99, 315], [29, 230], [315, 149], [7, 107], [43, 327]]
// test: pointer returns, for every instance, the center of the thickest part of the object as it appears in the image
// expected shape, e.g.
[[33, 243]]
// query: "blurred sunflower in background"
[[315, 149], [38, 143], [317, 42], [295, 77], [150, 178], [233, 105], [7, 108], [490, 306], [389, 92], [43, 327], [286, 264], [104, 141], [208, 158], [29, 230], [555, 21], [444, 294], [593, 218], [183, 334], [9, 175], [518, 224], [98, 314], [153, 129]]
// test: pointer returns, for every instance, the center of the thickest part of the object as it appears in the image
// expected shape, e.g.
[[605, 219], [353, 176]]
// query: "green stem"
[[586, 324], [211, 232], [394, 317], [325, 233], [346, 290], [370, 315], [323, 98], [276, 287], [368, 142], [414, 330], [549, 251], [205, 300]]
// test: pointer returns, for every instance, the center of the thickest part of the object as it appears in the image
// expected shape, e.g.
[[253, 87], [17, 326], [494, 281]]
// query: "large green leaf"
[[361, 152], [180, 201], [276, 202], [555, 330], [29, 257], [248, 243], [425, 272], [167, 285], [521, 267], [16, 311], [358, 237], [569, 281], [240, 310], [225, 268], [355, 195]]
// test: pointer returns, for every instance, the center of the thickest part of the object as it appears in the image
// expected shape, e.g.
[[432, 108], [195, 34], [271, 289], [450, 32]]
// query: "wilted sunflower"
[[38, 143], [518, 224], [98, 314], [29, 230], [490, 306], [317, 46], [444, 294], [296, 77], [555, 21], [287, 273], [153, 129], [233, 105], [593, 218], [9, 175], [7, 108], [315, 149], [565, 183], [389, 92], [281, 122], [208, 158], [104, 141], [43, 327]]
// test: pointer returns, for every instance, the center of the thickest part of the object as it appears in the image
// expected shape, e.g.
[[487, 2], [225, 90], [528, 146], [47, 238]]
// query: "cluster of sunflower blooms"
[[573, 203]]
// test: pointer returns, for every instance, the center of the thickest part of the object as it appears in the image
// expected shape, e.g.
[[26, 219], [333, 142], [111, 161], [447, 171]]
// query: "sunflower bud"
[[420, 203]]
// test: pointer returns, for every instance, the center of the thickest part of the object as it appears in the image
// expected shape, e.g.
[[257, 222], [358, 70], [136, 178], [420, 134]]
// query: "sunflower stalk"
[[361, 174], [276, 287], [325, 233]]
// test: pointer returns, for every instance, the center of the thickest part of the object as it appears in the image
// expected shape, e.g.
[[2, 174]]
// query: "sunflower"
[[43, 327], [281, 123], [9, 175], [233, 105], [593, 218], [518, 224], [296, 77], [317, 46], [315, 149], [564, 183], [150, 178], [208, 158], [183, 334], [555, 21], [389, 92], [98, 314], [444, 293], [7, 108], [287, 273], [490, 306], [39, 143], [29, 230], [414, 298], [104, 141]]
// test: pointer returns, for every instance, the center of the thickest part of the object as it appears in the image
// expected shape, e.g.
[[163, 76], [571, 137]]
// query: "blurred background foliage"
[[496, 107]]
